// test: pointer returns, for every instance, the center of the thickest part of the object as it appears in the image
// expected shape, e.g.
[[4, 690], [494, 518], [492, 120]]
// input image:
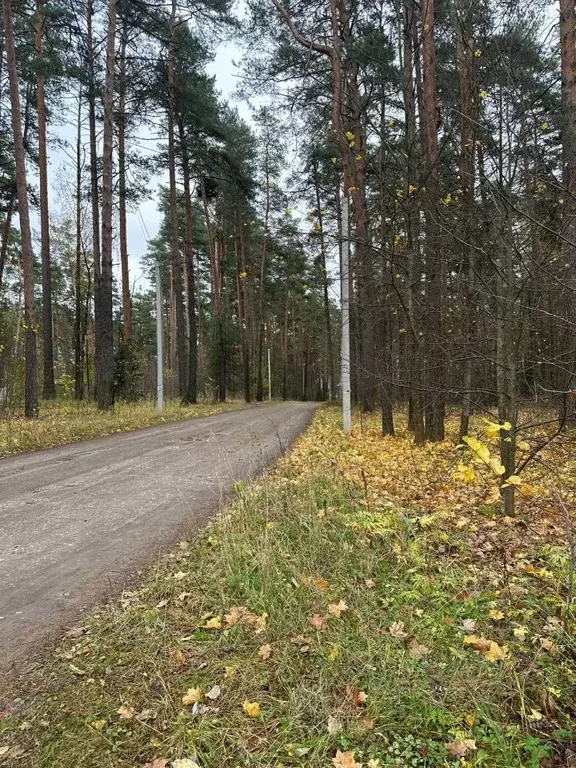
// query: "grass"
[[341, 613], [67, 421]]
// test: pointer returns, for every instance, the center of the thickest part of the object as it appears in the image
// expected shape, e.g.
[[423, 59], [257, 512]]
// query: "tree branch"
[[304, 41]]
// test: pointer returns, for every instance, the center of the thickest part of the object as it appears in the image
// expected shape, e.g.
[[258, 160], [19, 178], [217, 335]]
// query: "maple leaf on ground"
[[158, 763], [321, 584], [370, 583], [417, 650], [316, 621], [336, 609], [264, 652], [358, 697], [126, 713], [345, 760], [191, 696], [495, 615], [179, 657], [397, 630], [468, 625], [251, 708], [460, 748], [185, 762], [214, 623], [235, 615], [214, 693]]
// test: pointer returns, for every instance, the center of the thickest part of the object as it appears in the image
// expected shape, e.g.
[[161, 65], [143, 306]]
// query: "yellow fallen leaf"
[[321, 584], [214, 623], [333, 653], [192, 696], [98, 725], [495, 615], [251, 708], [496, 652], [230, 671], [520, 632], [535, 715]]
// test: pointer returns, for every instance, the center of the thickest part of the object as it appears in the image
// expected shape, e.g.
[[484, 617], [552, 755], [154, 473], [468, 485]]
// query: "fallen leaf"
[[495, 615], [162, 604], [230, 671], [535, 715], [546, 644], [76, 632], [365, 724], [468, 625], [460, 748], [157, 764], [179, 657], [333, 653], [264, 652], [214, 693], [191, 696], [321, 584], [333, 725], [185, 762], [235, 615], [336, 609], [520, 632], [317, 622], [98, 725], [145, 715], [397, 630], [374, 763], [496, 652], [417, 650], [251, 708], [126, 713], [214, 623], [358, 697], [370, 583], [179, 576], [345, 760]]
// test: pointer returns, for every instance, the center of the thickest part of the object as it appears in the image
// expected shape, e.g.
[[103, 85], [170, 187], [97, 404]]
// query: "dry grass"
[[284, 551], [67, 421]]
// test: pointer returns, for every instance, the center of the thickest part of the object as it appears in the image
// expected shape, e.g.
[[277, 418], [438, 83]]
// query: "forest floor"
[[67, 421], [365, 604]]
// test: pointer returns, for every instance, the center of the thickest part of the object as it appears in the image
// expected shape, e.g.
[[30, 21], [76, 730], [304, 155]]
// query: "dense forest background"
[[449, 127]]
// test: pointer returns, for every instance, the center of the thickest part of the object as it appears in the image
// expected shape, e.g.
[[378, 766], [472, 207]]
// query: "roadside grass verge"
[[317, 622], [67, 421]]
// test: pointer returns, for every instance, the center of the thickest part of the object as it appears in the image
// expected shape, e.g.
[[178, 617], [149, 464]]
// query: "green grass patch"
[[346, 625], [67, 421]]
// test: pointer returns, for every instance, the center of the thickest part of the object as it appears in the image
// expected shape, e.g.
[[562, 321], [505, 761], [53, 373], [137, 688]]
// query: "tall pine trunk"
[[191, 382], [78, 309], [30, 383], [434, 409], [175, 258], [49, 386], [94, 189], [127, 356], [105, 349]]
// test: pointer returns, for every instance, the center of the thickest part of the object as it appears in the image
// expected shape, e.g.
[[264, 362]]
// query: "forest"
[[380, 219]]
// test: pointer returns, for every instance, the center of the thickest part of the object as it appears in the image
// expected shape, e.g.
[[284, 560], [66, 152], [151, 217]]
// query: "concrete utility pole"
[[345, 299], [159, 343], [269, 375]]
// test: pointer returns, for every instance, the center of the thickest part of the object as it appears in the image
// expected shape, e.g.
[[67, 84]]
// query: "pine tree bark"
[[175, 257], [127, 357], [49, 386], [30, 383], [565, 300], [104, 355], [94, 190], [191, 383], [78, 313], [434, 409]]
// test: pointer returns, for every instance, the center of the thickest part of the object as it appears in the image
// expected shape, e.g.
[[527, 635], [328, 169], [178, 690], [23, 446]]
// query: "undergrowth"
[[318, 622], [67, 421]]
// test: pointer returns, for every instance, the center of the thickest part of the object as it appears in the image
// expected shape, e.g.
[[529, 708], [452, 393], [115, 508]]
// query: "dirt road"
[[78, 522]]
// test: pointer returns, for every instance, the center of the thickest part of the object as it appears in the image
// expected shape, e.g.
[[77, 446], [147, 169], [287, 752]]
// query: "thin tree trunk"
[[435, 271], [241, 276], [94, 187], [105, 351], [78, 342], [49, 386], [191, 384], [122, 228], [30, 384]]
